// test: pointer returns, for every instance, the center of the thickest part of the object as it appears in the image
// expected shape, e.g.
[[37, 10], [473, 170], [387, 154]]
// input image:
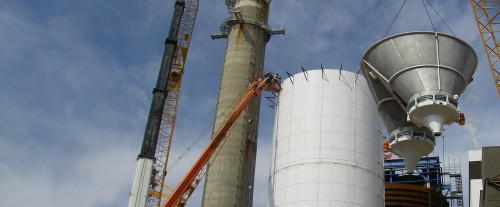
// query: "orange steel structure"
[[486, 13], [157, 192], [397, 195], [187, 185]]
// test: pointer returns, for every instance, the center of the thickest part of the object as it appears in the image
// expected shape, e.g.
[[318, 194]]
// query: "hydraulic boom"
[[187, 185]]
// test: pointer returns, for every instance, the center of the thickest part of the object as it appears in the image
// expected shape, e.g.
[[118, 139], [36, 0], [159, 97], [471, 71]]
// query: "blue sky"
[[76, 80]]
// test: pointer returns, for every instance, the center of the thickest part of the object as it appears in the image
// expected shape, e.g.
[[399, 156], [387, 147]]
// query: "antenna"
[[322, 71], [290, 76], [270, 98], [304, 72], [357, 74]]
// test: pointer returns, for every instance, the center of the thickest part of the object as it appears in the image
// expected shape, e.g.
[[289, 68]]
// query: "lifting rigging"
[[485, 14], [148, 185]]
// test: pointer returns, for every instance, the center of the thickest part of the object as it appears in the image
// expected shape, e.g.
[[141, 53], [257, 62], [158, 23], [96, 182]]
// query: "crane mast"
[[186, 26], [148, 184], [485, 14], [192, 178]]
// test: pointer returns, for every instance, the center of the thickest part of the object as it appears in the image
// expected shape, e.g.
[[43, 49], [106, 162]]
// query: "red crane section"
[[191, 179]]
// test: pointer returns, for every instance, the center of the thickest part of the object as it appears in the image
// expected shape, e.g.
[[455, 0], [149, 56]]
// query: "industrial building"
[[434, 184], [484, 177]]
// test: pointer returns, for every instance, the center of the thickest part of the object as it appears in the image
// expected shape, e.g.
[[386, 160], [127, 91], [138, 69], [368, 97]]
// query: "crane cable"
[[201, 174], [430, 19], [447, 26], [394, 20], [224, 115], [391, 25]]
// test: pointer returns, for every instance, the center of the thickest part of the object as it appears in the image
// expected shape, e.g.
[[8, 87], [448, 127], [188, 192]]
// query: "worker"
[[275, 78], [269, 77]]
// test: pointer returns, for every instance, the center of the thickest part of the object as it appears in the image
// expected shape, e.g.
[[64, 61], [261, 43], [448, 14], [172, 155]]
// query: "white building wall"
[[326, 143], [475, 185]]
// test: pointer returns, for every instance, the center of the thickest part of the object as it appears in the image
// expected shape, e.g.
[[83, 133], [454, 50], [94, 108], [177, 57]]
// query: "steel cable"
[[430, 19], [394, 20], [440, 17], [224, 115], [391, 25]]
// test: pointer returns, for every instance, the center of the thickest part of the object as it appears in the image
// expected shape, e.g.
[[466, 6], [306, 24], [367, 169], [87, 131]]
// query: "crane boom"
[[485, 14], [186, 26], [148, 184], [189, 182]]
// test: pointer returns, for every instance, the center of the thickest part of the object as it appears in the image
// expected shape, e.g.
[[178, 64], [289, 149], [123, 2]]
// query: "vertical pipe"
[[229, 178]]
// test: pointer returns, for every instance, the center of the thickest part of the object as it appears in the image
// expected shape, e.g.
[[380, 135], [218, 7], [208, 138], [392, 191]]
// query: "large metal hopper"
[[405, 139], [426, 72], [416, 79]]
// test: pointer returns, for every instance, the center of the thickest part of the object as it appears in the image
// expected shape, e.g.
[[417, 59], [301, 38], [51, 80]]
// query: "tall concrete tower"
[[230, 177]]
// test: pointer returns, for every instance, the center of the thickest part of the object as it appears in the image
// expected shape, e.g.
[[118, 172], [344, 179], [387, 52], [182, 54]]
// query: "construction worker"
[[269, 76], [275, 78]]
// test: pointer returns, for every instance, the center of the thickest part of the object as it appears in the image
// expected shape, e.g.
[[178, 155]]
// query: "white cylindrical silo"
[[327, 143]]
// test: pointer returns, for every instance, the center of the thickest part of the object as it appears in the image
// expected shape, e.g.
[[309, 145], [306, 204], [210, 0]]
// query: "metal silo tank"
[[326, 143], [427, 71]]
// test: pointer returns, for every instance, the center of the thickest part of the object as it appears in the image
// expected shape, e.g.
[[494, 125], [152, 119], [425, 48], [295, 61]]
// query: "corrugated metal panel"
[[327, 143]]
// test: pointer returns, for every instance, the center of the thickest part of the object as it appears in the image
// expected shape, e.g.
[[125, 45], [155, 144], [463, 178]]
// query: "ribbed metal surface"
[[397, 195], [423, 63], [326, 143]]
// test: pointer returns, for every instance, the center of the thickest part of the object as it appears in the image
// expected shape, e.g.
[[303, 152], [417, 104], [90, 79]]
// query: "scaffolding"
[[428, 171], [452, 187], [422, 187]]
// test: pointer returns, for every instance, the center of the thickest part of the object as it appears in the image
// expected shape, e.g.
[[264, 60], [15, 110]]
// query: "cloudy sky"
[[76, 80]]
